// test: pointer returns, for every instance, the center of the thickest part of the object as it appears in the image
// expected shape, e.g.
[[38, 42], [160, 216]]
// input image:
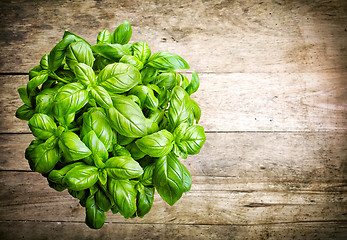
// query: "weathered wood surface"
[[240, 102], [273, 96], [213, 36]]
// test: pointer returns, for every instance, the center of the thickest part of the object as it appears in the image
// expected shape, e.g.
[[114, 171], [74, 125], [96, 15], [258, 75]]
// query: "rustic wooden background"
[[273, 98]]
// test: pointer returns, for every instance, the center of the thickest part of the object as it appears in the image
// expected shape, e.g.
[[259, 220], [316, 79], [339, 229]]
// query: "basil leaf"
[[122, 34], [57, 54], [104, 37], [134, 151], [119, 77], [146, 96], [185, 81], [102, 201], [35, 82], [144, 201], [148, 74], [85, 74], [25, 112], [22, 91], [81, 177], [72, 147], [132, 61], [123, 167], [112, 52], [43, 158], [167, 81], [101, 97], [77, 38], [157, 144], [119, 150], [79, 52], [126, 117], [57, 176], [141, 51], [156, 115], [98, 149], [96, 120], [192, 139], [168, 178], [194, 84], [44, 101], [167, 61], [146, 178], [187, 179], [44, 61], [102, 176], [95, 217], [69, 99], [124, 194], [196, 110], [42, 126], [180, 110]]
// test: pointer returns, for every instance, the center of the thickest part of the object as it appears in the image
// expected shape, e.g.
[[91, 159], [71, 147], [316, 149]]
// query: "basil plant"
[[111, 122]]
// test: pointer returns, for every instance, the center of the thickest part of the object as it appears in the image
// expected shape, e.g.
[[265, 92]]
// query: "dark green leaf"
[[102, 201], [95, 217], [168, 178], [24, 112], [144, 201], [122, 34], [124, 194], [146, 178], [23, 93], [167, 61]]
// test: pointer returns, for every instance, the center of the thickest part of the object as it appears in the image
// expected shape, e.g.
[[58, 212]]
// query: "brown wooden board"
[[38, 230], [213, 36]]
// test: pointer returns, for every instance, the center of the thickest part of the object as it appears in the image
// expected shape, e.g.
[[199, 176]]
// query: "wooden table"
[[273, 98]]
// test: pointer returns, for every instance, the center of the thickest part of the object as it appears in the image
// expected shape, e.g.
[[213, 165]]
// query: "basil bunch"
[[111, 121]]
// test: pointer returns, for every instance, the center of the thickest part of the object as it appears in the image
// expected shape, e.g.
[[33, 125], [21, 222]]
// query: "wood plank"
[[275, 157], [213, 36], [74, 230], [26, 196], [240, 102]]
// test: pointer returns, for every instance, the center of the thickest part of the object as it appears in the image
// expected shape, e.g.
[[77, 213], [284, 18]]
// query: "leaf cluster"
[[111, 122]]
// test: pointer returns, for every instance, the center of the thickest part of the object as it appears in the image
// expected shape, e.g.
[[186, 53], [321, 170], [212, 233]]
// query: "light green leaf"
[[167, 61], [122, 34], [72, 147], [42, 126], [123, 167]]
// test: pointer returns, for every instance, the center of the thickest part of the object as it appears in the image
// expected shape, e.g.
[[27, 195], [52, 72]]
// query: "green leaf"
[[122, 34], [22, 91], [35, 82], [187, 179], [167, 61], [102, 176], [132, 61], [194, 84], [57, 176], [168, 178], [180, 109], [43, 158], [192, 140], [57, 54], [157, 144], [104, 37], [148, 74], [98, 149], [42, 126], [127, 118], [156, 115], [112, 52], [134, 151], [25, 112], [95, 217], [123, 167], [69, 99], [79, 52], [85, 74], [44, 101], [166, 81], [44, 61], [102, 201], [35, 71], [144, 201], [141, 51], [119, 77], [146, 96], [101, 97], [196, 110], [124, 194], [146, 178], [77, 38], [81, 177], [95, 120], [185, 81], [72, 147], [119, 150]]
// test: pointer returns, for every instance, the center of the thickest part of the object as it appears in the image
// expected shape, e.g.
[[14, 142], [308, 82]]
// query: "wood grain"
[[239, 102], [76, 230], [213, 36], [275, 157], [202, 205]]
